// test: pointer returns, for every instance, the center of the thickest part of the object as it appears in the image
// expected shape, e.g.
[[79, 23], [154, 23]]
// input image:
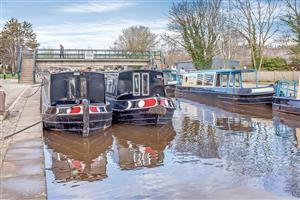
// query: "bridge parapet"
[[98, 54]]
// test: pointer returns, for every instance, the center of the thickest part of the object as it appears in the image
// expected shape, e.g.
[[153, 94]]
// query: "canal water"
[[206, 152]]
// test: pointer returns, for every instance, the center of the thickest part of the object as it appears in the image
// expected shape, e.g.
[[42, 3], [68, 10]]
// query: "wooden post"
[[86, 118]]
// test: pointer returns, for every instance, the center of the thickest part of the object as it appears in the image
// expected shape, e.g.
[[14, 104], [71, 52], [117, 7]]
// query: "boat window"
[[218, 80], [200, 79], [83, 88], [136, 84], [237, 80], [174, 77], [110, 85], [224, 80], [145, 84], [71, 88], [208, 79]]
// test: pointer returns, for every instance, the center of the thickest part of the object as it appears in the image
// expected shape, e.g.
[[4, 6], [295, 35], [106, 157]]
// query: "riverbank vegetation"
[[15, 36]]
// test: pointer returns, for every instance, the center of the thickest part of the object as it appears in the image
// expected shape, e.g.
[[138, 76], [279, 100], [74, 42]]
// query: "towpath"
[[22, 169]]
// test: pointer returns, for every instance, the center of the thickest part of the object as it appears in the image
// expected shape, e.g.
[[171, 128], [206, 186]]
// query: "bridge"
[[46, 59]]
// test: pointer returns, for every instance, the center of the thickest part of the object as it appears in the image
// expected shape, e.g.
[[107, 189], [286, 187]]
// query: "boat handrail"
[[283, 87]]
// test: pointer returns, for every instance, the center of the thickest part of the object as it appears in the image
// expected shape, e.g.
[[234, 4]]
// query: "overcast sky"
[[86, 24], [89, 24]]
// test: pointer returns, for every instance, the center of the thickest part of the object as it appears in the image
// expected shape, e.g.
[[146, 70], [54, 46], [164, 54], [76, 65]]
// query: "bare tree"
[[136, 38], [254, 20], [195, 26], [292, 19]]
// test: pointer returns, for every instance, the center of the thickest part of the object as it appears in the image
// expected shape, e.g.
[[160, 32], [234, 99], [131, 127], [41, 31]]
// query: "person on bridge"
[[61, 52]]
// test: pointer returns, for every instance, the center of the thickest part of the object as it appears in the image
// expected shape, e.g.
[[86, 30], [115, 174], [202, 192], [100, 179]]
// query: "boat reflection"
[[234, 124], [286, 125], [77, 158], [141, 146], [260, 111], [197, 138]]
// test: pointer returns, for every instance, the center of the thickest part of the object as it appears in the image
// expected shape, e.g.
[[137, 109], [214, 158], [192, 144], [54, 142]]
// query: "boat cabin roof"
[[68, 87], [221, 71], [135, 84]]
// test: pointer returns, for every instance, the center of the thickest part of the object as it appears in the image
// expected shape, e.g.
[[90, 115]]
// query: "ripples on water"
[[205, 153]]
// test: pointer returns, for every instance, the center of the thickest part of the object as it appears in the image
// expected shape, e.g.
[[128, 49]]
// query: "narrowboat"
[[75, 102], [138, 97], [171, 80], [225, 86], [77, 158], [287, 97]]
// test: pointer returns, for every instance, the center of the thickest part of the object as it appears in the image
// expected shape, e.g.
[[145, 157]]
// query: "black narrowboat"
[[139, 97], [75, 102]]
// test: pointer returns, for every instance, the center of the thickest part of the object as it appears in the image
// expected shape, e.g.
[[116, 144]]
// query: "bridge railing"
[[92, 54]]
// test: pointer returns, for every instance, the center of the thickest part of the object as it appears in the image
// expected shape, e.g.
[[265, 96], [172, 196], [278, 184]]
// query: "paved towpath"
[[13, 90], [22, 171]]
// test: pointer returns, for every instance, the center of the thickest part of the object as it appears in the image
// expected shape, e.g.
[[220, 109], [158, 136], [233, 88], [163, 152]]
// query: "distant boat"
[[75, 101], [223, 85], [138, 97], [171, 80], [287, 97]]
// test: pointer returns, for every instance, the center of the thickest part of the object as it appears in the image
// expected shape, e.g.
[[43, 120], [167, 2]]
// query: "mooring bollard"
[[86, 118], [2, 103]]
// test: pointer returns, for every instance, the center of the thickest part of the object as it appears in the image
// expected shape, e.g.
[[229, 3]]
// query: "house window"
[[145, 84], [136, 84]]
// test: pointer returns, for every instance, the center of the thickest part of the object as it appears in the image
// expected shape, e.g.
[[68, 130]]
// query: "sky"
[[85, 24]]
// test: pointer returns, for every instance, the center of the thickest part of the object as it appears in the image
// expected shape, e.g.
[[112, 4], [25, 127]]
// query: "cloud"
[[96, 7], [91, 35]]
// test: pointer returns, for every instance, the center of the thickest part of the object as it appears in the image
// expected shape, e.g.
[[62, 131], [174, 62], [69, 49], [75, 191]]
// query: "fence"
[[272, 76], [97, 54]]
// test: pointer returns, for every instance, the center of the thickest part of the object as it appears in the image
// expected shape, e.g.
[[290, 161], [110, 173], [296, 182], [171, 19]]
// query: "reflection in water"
[[207, 152], [198, 138], [141, 146], [250, 147], [234, 124], [74, 157]]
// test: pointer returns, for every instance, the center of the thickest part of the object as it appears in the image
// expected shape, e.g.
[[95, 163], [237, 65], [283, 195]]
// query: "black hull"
[[170, 90], [261, 109], [234, 99], [142, 117], [74, 123], [286, 105]]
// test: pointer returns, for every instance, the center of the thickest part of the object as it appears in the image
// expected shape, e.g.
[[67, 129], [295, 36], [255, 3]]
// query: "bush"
[[274, 63]]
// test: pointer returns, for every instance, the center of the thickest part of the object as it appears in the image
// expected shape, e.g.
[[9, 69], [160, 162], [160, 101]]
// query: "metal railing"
[[96, 54], [286, 88]]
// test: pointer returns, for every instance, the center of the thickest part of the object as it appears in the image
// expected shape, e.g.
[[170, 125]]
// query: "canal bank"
[[22, 169]]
